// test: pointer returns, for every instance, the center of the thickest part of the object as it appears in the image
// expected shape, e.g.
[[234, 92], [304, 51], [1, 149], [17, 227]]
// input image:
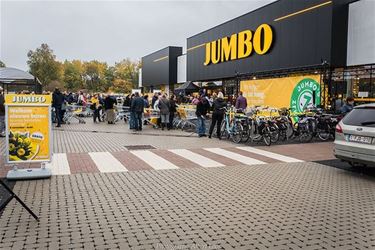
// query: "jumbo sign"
[[239, 45]]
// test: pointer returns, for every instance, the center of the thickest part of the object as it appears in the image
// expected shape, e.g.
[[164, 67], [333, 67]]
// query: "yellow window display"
[[28, 124], [297, 92]]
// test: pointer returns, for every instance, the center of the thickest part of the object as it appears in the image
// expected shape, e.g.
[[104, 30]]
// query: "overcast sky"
[[107, 30]]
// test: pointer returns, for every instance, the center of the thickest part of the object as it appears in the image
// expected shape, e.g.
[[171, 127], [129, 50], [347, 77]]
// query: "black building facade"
[[298, 41], [287, 39], [303, 37], [159, 69]]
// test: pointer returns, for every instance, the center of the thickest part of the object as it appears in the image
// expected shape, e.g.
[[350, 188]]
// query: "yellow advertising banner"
[[297, 92], [28, 127]]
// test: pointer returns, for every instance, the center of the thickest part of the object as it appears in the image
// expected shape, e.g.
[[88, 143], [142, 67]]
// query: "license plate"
[[360, 139]]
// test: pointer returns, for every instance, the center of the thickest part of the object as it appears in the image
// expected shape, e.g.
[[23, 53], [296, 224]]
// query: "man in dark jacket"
[[172, 110], [201, 112], [154, 99], [57, 102], [217, 115], [2, 113], [137, 106], [109, 103], [241, 102]]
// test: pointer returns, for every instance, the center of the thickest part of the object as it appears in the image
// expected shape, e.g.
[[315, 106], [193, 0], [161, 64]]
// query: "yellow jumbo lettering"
[[245, 46], [215, 51], [229, 48], [208, 54], [240, 45], [260, 48]]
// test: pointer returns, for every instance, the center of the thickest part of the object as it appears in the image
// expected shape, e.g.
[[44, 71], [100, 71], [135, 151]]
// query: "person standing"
[[132, 113], [110, 102], [95, 107], [201, 112], [217, 115], [2, 113], [147, 104], [241, 102], [155, 97], [57, 102], [348, 106], [137, 106], [172, 111], [164, 106]]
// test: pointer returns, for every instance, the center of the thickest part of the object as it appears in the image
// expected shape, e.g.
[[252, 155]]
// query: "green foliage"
[[43, 65], [95, 76], [127, 71], [2, 65], [73, 72]]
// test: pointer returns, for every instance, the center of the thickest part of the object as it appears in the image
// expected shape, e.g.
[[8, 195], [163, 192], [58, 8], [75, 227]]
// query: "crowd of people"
[[135, 103]]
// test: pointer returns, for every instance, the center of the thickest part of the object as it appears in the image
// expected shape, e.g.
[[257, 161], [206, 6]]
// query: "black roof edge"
[[162, 49], [234, 19]]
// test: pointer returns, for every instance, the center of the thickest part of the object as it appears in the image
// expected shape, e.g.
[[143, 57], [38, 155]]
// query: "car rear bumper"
[[355, 157]]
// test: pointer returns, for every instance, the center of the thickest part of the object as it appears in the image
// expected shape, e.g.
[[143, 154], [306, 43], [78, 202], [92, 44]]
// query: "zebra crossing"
[[110, 162]]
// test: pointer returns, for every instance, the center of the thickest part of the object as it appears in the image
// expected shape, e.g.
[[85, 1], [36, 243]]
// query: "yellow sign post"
[[28, 133]]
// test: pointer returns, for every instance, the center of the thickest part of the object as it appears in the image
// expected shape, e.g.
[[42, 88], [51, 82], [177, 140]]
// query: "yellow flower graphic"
[[11, 147], [21, 152]]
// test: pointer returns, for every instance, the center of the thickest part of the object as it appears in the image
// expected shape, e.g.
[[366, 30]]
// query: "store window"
[[359, 83]]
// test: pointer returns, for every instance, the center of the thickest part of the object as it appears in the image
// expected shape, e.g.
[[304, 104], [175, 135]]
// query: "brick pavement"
[[75, 163], [272, 206]]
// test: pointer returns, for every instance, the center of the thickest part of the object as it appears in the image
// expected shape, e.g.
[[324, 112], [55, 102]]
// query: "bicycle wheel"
[[224, 133], [266, 134], [282, 135], [237, 132], [275, 134], [305, 136], [324, 135], [245, 137]]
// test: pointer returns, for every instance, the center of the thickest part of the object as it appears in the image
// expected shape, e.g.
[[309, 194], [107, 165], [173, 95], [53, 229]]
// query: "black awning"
[[187, 87]]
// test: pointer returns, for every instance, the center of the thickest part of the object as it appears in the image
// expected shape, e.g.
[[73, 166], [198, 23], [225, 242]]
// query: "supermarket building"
[[287, 53]]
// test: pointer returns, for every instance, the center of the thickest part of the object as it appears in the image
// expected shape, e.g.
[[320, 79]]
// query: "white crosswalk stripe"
[[268, 154], [196, 158], [59, 164], [154, 160], [243, 159], [106, 162]]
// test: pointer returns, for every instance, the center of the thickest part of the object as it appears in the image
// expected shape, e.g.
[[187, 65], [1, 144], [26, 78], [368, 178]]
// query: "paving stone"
[[274, 206]]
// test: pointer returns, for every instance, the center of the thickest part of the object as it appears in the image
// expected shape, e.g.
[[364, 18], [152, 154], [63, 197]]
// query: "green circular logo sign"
[[305, 94]]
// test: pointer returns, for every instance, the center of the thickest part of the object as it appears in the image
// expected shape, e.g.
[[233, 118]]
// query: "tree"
[[2, 65], [109, 78], [94, 75], [121, 86], [43, 65], [127, 71], [73, 72]]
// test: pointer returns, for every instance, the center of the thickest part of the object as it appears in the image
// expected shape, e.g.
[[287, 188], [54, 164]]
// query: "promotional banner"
[[297, 92], [28, 128]]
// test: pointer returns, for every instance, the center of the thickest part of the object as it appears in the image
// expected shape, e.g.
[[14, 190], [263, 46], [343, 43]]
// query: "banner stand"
[[14, 196], [28, 135], [28, 174]]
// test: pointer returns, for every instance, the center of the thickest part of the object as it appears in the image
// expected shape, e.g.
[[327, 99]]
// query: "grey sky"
[[107, 30]]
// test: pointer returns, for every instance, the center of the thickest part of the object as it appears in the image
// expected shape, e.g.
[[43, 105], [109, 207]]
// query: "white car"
[[355, 136]]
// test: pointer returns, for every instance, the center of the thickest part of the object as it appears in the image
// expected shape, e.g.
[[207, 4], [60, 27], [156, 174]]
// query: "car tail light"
[[339, 129]]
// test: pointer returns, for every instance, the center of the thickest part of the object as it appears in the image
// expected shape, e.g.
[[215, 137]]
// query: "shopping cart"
[[151, 117], [122, 113], [73, 112]]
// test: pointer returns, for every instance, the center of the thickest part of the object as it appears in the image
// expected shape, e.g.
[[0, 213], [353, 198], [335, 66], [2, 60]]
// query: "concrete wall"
[[361, 33]]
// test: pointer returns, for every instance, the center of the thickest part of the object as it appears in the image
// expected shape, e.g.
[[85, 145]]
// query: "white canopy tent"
[[12, 79]]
